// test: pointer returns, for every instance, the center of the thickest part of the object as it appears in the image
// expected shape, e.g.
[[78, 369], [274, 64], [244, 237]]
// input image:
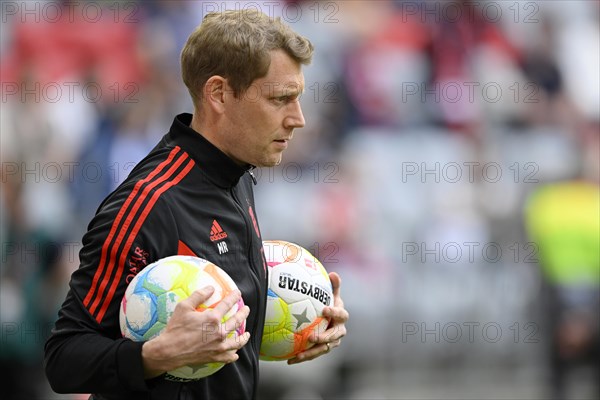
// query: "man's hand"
[[193, 337], [336, 330]]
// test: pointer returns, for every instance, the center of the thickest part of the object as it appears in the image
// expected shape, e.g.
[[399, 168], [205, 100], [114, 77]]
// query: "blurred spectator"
[[385, 72], [28, 299], [462, 51], [74, 48], [563, 219]]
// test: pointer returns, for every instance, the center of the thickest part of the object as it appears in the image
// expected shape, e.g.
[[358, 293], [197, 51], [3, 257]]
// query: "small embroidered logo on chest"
[[217, 234]]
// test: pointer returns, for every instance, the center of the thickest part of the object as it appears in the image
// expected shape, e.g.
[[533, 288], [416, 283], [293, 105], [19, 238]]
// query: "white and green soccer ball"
[[152, 295], [299, 289]]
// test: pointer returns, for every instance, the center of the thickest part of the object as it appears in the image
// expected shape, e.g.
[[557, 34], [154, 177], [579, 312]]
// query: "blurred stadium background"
[[448, 170]]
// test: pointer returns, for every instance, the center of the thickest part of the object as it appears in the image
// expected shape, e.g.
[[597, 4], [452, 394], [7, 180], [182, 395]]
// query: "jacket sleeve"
[[86, 352]]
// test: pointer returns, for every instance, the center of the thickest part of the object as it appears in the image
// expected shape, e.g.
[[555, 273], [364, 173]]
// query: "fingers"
[[198, 297], [336, 283], [227, 303], [234, 343], [337, 327], [237, 320], [331, 335], [193, 337], [226, 351], [314, 352], [210, 321], [336, 314], [214, 316], [324, 342]]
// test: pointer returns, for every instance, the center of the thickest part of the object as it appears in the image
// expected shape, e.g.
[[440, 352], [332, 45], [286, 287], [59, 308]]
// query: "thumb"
[[199, 296], [336, 282]]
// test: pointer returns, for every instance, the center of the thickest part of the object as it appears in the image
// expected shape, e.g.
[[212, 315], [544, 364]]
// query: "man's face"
[[261, 121]]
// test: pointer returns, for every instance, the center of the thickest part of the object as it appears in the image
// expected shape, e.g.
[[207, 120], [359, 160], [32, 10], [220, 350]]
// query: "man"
[[243, 71]]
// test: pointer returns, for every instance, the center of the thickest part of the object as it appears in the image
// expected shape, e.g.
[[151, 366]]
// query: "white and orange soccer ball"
[[299, 289], [152, 295]]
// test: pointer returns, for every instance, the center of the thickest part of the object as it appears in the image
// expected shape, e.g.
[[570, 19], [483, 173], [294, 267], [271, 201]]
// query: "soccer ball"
[[299, 289], [151, 297]]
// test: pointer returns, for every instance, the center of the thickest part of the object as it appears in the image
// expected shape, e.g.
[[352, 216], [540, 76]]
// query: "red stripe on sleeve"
[[117, 221], [133, 234], [125, 228]]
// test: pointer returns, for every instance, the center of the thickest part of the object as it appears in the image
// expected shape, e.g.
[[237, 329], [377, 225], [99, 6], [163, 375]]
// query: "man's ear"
[[214, 93]]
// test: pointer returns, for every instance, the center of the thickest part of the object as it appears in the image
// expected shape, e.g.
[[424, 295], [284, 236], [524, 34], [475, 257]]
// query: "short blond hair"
[[236, 45]]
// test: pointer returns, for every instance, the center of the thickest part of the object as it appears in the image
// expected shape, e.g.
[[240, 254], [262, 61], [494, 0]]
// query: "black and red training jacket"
[[185, 197]]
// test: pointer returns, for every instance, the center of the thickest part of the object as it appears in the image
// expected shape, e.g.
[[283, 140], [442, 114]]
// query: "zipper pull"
[[253, 177]]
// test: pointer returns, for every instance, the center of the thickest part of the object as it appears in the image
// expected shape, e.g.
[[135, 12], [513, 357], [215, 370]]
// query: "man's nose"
[[296, 118]]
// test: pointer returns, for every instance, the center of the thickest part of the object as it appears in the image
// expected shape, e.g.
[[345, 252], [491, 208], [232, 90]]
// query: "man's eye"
[[285, 99]]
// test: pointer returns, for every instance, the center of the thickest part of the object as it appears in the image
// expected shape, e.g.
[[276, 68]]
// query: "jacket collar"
[[218, 167]]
